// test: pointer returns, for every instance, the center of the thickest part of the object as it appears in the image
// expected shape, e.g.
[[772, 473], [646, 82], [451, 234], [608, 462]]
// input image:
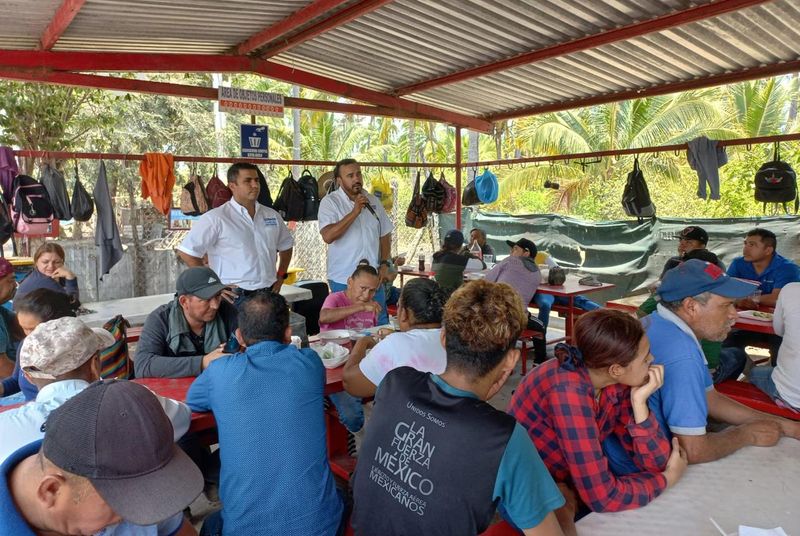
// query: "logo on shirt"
[[271, 222]]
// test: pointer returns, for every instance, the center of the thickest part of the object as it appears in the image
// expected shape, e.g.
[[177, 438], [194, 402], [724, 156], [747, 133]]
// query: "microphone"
[[369, 207]]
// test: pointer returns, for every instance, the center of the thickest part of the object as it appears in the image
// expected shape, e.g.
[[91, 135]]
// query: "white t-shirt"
[[362, 238], [787, 324], [241, 250], [420, 349]]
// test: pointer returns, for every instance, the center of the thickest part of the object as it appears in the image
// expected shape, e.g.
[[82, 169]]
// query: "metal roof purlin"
[[656, 24], [343, 17], [194, 92], [59, 23], [287, 25], [765, 71], [137, 62]]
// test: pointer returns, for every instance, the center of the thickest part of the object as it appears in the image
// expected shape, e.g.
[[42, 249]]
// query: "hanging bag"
[[6, 225], [433, 194], [636, 196], [82, 206], [417, 213], [291, 201], [470, 194], [264, 195], [450, 195], [53, 181], [487, 187], [194, 199], [383, 191], [218, 192], [776, 182], [308, 184], [31, 210]]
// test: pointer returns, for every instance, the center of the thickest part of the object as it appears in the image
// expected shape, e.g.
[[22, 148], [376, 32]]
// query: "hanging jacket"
[[8, 170], [53, 181], [106, 234], [158, 180]]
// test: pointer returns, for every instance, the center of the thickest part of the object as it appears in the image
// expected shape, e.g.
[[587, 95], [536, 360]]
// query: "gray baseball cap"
[[60, 346], [115, 433], [200, 281]]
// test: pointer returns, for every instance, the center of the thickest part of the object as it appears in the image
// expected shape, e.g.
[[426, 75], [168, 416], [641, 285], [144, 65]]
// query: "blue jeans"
[[732, 361], [544, 302], [380, 297], [761, 377], [350, 410]]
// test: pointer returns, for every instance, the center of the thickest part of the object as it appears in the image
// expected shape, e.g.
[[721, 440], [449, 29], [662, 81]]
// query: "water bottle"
[[476, 251]]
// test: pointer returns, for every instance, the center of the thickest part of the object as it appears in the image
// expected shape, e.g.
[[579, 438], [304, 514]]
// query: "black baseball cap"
[[200, 281], [525, 244], [694, 233], [115, 433], [454, 237]]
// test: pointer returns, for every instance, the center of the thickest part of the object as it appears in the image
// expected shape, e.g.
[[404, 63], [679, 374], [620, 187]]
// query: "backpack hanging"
[[417, 213], [470, 195], [486, 187], [82, 206], [382, 190], [194, 200], [433, 194], [53, 181], [308, 184], [264, 195], [450, 195], [776, 182], [291, 201], [636, 196], [218, 192], [31, 210]]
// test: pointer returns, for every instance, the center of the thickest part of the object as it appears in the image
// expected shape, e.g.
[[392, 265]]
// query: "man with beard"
[[696, 302], [353, 233]]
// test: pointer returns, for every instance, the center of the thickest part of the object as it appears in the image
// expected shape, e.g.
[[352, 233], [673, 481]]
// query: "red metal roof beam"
[[662, 89], [343, 17], [287, 25], [657, 24], [60, 22]]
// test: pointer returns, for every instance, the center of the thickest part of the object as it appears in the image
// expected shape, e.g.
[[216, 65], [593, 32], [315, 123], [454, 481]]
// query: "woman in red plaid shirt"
[[594, 393]]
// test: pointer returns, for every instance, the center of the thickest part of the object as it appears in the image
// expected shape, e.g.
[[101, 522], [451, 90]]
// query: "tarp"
[[625, 253]]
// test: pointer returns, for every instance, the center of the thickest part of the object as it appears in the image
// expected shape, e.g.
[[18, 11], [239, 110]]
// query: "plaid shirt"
[[558, 408]]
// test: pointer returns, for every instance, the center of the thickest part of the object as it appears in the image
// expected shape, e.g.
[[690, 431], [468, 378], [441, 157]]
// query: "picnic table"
[[755, 486], [135, 310]]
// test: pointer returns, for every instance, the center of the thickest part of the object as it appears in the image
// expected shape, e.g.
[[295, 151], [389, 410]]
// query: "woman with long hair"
[[50, 272]]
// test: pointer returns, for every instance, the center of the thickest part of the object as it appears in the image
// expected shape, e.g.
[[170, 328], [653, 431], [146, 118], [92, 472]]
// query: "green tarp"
[[625, 253]]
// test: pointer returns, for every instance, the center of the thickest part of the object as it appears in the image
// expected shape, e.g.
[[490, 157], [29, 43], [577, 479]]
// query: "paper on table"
[[753, 531]]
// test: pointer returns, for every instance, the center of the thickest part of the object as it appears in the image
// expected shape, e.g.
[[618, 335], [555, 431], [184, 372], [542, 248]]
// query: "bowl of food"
[[331, 354], [336, 336]]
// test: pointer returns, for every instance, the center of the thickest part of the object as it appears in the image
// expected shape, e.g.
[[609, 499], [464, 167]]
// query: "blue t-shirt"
[[524, 488], [11, 521], [268, 404], [780, 272], [680, 405]]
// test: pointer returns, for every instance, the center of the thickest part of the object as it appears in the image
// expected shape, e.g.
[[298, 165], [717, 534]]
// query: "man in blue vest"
[[437, 458]]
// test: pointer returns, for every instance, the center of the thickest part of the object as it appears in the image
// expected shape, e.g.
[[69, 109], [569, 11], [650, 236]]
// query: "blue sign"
[[255, 141]]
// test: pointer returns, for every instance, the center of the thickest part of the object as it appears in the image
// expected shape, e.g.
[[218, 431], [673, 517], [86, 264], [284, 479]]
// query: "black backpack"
[[291, 201], [776, 182], [308, 184], [433, 193], [53, 181], [264, 195], [82, 206], [636, 197]]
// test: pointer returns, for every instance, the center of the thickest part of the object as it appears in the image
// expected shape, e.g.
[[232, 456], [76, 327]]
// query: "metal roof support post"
[[458, 177]]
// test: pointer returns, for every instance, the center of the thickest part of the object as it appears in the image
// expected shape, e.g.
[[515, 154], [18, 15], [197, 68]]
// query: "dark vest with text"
[[429, 461]]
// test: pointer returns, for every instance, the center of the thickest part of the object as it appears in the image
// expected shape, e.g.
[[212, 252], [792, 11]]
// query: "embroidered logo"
[[773, 179], [713, 270]]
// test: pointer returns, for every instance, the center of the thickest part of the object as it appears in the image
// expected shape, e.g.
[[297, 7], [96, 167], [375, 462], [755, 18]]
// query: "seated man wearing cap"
[[521, 272], [690, 239], [61, 358], [182, 337], [449, 265], [107, 465], [696, 302], [268, 404]]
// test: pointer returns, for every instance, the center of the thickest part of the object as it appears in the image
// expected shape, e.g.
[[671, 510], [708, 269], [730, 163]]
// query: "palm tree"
[[762, 107]]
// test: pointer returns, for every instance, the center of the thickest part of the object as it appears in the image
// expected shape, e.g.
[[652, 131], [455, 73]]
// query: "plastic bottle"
[[476, 251]]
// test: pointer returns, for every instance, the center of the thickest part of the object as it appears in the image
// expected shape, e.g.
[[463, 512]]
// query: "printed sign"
[[247, 101], [255, 141]]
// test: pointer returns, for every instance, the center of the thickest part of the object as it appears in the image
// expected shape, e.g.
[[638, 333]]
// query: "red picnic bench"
[[753, 397]]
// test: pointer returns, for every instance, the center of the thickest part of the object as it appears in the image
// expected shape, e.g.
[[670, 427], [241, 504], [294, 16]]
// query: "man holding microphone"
[[355, 226]]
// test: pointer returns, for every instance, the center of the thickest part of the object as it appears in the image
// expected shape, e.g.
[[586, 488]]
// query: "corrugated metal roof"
[[408, 41]]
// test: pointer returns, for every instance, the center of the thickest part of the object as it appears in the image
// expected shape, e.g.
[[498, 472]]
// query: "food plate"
[[760, 316], [332, 355], [338, 336]]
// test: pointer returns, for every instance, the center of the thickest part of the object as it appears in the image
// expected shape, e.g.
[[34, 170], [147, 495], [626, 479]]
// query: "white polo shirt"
[[241, 250], [362, 238]]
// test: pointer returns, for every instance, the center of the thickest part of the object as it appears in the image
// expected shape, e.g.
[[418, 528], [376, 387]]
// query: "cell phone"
[[232, 346]]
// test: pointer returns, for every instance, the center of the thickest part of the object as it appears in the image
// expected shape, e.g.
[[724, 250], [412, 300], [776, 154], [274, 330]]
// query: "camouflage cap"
[[61, 346]]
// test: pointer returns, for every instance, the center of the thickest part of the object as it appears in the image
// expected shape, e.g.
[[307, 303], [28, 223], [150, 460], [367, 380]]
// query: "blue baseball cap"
[[694, 277]]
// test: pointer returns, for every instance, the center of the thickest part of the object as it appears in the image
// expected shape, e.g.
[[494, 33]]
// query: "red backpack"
[[218, 193]]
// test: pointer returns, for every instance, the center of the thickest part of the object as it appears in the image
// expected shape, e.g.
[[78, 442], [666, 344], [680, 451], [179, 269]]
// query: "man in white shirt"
[[242, 238], [353, 233]]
